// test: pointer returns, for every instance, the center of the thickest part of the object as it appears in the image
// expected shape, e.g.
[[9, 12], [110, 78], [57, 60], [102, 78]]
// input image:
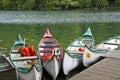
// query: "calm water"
[[64, 25], [57, 16]]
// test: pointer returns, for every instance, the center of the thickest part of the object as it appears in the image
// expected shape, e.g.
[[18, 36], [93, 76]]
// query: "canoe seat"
[[48, 46], [45, 51], [24, 69], [48, 42], [87, 41], [3, 65]]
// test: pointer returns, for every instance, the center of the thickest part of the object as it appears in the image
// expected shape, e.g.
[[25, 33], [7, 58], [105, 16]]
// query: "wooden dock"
[[106, 69]]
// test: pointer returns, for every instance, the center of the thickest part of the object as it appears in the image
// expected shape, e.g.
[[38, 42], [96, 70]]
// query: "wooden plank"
[[106, 69]]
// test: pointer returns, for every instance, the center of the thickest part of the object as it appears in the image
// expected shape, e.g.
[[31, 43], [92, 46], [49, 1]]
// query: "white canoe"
[[27, 68], [71, 61], [51, 54], [91, 56], [110, 44], [53, 67], [76, 48]]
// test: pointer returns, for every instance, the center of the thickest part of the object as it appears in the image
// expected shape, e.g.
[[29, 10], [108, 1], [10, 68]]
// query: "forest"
[[58, 4]]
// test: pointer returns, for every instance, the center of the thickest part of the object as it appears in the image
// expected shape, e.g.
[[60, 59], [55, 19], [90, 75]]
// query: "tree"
[[0, 4], [13, 4], [42, 4], [20, 4], [38, 2], [117, 2], [86, 3], [6, 4], [75, 4], [101, 4], [30, 4], [68, 4]]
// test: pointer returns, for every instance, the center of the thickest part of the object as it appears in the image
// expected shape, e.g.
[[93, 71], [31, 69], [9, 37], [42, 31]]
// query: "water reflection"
[[57, 16]]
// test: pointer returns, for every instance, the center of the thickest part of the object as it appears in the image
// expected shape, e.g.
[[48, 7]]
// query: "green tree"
[[85, 3], [38, 2], [65, 4], [56, 4], [0, 4], [117, 2], [69, 4], [75, 4], [6, 4], [30, 4], [101, 4], [42, 4], [47, 4], [13, 4], [20, 4]]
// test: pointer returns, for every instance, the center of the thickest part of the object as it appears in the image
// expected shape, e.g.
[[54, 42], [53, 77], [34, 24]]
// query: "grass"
[[64, 33]]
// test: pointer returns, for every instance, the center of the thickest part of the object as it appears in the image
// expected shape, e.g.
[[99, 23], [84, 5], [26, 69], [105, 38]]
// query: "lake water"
[[58, 16], [64, 25]]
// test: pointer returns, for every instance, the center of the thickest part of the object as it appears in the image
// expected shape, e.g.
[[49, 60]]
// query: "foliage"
[[20, 4], [86, 3], [66, 4], [117, 2], [56, 4], [6, 4], [0, 4], [101, 4], [13, 4], [30, 4]]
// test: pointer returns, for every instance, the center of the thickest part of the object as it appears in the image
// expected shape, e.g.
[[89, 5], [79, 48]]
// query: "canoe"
[[71, 61], [47, 48], [110, 44], [7, 71], [53, 67], [79, 43], [27, 67], [91, 56], [77, 47]]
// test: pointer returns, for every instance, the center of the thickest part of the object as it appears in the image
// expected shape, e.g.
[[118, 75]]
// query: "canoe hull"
[[49, 46], [51, 54], [7, 71], [110, 44], [33, 74], [27, 68], [90, 57], [70, 63], [52, 67], [77, 48]]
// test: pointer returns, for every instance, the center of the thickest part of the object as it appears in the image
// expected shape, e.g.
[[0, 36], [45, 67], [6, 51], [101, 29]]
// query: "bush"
[[0, 4], [6, 4], [69, 4], [85, 3], [30, 4], [20, 4], [101, 4], [117, 2]]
